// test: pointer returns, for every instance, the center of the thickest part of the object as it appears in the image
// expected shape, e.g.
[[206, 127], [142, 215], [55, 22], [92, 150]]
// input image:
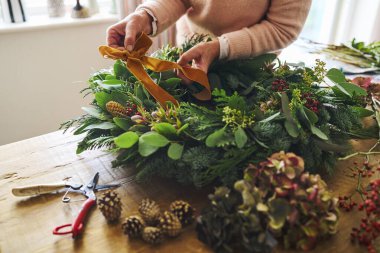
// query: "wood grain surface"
[[26, 223]]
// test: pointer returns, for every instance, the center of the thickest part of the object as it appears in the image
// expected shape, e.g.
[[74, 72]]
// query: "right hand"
[[122, 35]]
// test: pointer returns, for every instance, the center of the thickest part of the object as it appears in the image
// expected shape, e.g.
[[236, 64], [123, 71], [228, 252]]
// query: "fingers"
[[190, 55], [131, 31], [115, 35]]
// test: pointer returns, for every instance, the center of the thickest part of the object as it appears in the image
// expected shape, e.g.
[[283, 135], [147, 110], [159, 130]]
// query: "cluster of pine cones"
[[152, 225]]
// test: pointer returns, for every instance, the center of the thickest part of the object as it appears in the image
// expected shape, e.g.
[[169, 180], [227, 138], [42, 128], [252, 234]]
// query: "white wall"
[[39, 71]]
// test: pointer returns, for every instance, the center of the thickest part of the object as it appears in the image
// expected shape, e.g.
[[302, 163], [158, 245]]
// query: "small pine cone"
[[183, 210], [133, 226], [153, 235], [170, 224], [110, 205], [150, 211], [116, 109]]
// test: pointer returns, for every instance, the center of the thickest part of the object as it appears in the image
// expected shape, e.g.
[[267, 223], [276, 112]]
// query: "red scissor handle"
[[77, 225]]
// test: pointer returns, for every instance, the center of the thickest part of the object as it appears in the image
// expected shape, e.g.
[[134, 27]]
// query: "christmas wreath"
[[258, 106]]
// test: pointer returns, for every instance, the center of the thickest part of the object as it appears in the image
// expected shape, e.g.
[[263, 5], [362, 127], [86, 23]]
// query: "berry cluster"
[[279, 85], [132, 109], [369, 228], [346, 203], [311, 103]]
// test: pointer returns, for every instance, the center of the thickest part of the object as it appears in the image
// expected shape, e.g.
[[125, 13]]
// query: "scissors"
[[87, 190]]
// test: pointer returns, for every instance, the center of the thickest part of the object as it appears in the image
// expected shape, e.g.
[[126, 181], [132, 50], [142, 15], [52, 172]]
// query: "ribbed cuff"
[[154, 21], [224, 47], [240, 45]]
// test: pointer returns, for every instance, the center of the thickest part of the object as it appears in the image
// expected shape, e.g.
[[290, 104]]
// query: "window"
[[38, 8], [338, 21]]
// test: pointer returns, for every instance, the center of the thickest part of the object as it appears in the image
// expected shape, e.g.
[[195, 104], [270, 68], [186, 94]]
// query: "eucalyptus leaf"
[[123, 123], [146, 149], [175, 151], [362, 112], [166, 129], [154, 139], [240, 137], [290, 124], [312, 117], [93, 112], [270, 118], [103, 125], [216, 137], [126, 140]]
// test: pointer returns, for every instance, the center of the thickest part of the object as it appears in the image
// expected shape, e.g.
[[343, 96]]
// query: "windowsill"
[[44, 22]]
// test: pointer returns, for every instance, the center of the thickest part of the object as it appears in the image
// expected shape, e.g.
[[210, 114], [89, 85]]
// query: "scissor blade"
[[94, 181], [106, 186]]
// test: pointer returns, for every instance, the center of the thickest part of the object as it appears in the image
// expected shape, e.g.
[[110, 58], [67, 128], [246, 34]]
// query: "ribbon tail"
[[137, 69], [196, 75]]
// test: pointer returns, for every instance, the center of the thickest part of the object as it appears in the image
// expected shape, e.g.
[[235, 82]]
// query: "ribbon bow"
[[136, 61]]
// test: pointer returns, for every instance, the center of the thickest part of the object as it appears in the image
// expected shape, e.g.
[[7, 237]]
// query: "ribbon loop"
[[136, 61]]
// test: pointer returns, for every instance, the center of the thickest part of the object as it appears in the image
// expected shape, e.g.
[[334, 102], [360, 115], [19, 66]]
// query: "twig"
[[358, 153]]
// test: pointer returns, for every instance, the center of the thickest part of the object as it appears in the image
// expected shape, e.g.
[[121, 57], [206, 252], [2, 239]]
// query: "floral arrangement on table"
[[277, 200], [257, 107], [357, 53]]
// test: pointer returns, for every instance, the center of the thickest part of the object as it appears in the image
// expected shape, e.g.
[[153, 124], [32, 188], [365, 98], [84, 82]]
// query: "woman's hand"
[[122, 35], [201, 56]]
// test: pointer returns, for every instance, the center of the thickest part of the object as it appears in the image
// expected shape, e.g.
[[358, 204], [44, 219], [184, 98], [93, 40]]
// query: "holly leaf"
[[175, 151], [154, 139], [240, 137], [126, 140]]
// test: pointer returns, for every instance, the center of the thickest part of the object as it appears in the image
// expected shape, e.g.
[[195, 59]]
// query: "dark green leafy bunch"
[[277, 200], [257, 108]]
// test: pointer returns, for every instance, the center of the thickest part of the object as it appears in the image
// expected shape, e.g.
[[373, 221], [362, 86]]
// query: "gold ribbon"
[[136, 61]]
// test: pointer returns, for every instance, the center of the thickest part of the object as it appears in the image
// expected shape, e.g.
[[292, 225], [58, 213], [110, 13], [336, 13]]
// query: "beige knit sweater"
[[251, 27]]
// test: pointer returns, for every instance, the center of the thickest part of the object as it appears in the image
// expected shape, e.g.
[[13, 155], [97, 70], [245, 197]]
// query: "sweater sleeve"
[[166, 12], [280, 27]]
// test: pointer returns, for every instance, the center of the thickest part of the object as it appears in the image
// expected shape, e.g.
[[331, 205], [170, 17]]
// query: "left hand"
[[201, 56]]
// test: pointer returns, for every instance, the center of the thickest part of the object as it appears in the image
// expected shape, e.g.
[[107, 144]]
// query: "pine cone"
[[153, 235], [110, 206], [116, 109], [170, 224], [183, 210], [150, 211], [133, 226]]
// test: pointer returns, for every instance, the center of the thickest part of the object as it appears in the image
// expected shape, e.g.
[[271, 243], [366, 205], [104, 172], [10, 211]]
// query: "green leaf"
[[113, 82], [336, 75], [213, 139], [93, 112], [165, 129], [353, 89], [240, 137], [120, 70], [270, 118], [318, 133], [175, 151], [126, 140], [362, 112], [311, 115], [102, 98], [173, 82], [290, 124], [110, 77], [183, 128], [123, 123], [103, 125], [145, 149], [154, 139]]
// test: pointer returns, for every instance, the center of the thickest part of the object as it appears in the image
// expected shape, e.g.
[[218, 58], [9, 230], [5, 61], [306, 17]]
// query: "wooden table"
[[26, 223]]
